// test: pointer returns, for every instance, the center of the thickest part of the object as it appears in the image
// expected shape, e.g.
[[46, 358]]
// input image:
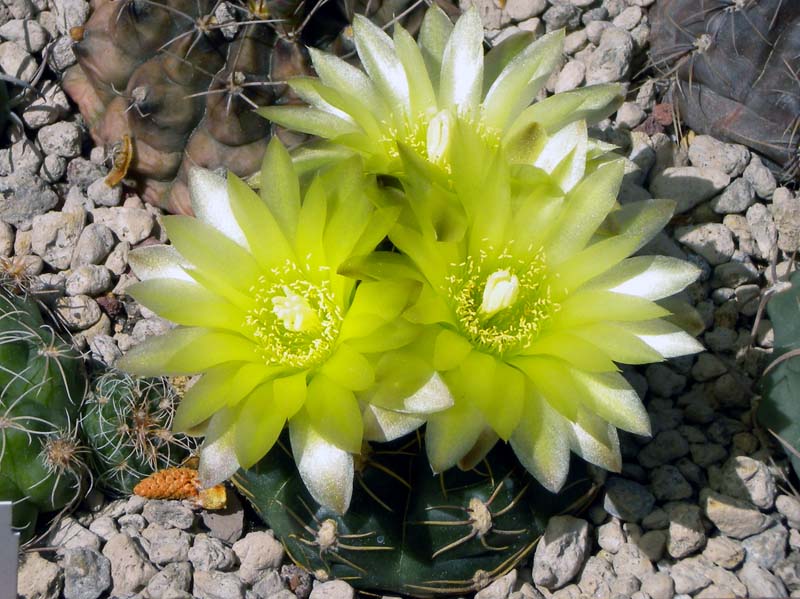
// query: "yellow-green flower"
[[531, 299], [278, 334], [413, 93]]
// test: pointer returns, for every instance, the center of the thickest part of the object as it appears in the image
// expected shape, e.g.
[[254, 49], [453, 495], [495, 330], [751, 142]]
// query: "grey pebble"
[[668, 483], [611, 60], [258, 551], [167, 545], [90, 279], [168, 514], [87, 574], [129, 224], [17, 61], [706, 151], [664, 448], [173, 578], [78, 312], [217, 585], [26, 32], [38, 578], [94, 244], [688, 185], [23, 197], [786, 216], [712, 241], [62, 139], [101, 194], [627, 500], [631, 560], [733, 517], [686, 533], [724, 552], [208, 553], [760, 177], [130, 569], [561, 552], [737, 197], [789, 506], [748, 479], [760, 582], [767, 548]]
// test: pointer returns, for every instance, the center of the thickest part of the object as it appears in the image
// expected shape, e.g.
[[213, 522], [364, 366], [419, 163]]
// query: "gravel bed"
[[702, 509]]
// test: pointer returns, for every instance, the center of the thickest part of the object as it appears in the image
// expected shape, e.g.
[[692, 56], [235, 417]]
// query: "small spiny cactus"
[[126, 422], [42, 460]]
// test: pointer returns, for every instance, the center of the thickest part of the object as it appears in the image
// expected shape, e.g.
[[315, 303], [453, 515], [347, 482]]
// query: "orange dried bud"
[[76, 33], [181, 483], [122, 155]]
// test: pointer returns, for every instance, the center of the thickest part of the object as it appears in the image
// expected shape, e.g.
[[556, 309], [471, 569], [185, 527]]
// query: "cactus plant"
[[735, 66], [408, 531], [779, 410], [42, 461], [126, 423]]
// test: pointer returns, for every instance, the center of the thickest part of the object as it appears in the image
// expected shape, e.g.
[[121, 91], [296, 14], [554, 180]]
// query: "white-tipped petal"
[[595, 441], [159, 262], [667, 339], [450, 435], [433, 35], [564, 155], [218, 460], [541, 443], [209, 194], [380, 60], [610, 396], [461, 80], [649, 277], [326, 470], [433, 396], [385, 425], [346, 79]]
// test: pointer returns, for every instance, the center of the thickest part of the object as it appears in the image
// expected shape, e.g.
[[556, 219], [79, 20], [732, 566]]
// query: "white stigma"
[[294, 311], [501, 291], [439, 136]]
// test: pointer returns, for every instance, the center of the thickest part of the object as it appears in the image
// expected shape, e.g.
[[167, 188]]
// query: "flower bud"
[[439, 135], [501, 291]]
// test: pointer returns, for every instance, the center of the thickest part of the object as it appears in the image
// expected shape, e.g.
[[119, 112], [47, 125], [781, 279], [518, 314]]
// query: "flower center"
[[505, 310], [295, 322]]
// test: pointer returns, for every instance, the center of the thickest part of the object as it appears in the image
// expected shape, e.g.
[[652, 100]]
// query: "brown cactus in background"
[[736, 68]]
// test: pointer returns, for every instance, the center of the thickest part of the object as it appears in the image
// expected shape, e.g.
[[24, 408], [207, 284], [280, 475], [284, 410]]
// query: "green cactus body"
[[41, 389], [779, 410], [407, 530], [126, 422]]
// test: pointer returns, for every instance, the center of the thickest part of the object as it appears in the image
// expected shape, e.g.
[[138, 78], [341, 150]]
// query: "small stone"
[[570, 77], [61, 54], [629, 115], [733, 517], [737, 197], [499, 589], [270, 585], [55, 236], [132, 524], [334, 589], [129, 224], [519, 10], [561, 15], [668, 484], [78, 312], [595, 29], [62, 139], [87, 574], [705, 454], [786, 215], [610, 537], [167, 545], [735, 274], [788, 570], [70, 13], [52, 168], [71, 535], [47, 108], [653, 544], [724, 552], [226, 524], [93, 246], [117, 261], [104, 349], [688, 185], [38, 578], [760, 177], [690, 575], [627, 500], [708, 367], [706, 151], [208, 553], [169, 514], [631, 560], [172, 579], [217, 585], [596, 577], [628, 18], [258, 551], [104, 527], [130, 569], [663, 381], [23, 159], [611, 60], [664, 448], [767, 548], [23, 197], [17, 62], [103, 195], [789, 506], [561, 552], [90, 279], [27, 33], [81, 173], [712, 241], [686, 532], [658, 585], [760, 582], [748, 479], [574, 42], [762, 229]]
